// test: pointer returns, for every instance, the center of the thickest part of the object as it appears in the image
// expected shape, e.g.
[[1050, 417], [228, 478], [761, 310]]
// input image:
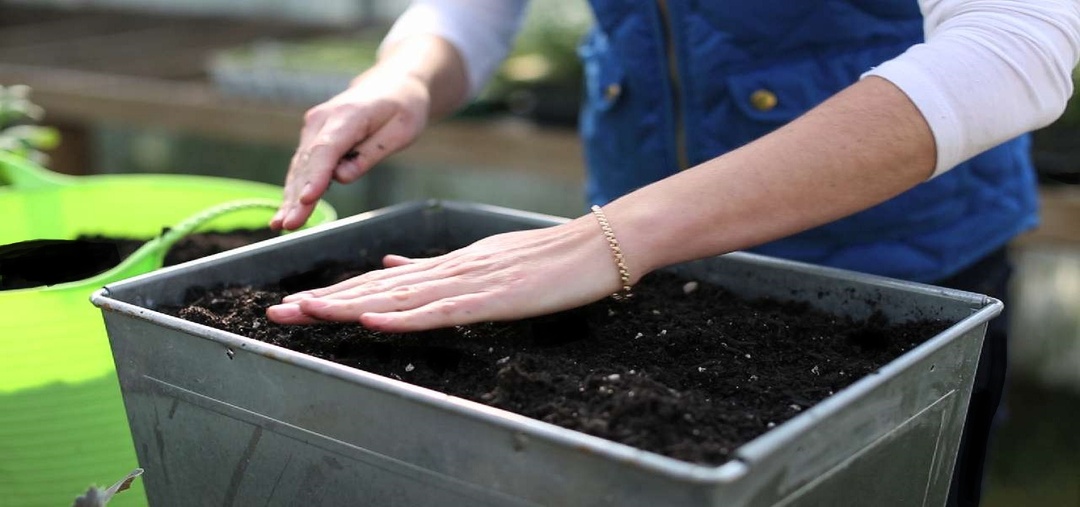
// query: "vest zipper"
[[676, 86]]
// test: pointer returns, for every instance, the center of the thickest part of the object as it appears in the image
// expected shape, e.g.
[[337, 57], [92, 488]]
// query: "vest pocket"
[[776, 95], [603, 73], [767, 98], [773, 94]]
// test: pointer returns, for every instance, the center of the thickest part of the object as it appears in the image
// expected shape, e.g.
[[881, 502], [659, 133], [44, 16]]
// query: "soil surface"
[[684, 369], [197, 246], [38, 263]]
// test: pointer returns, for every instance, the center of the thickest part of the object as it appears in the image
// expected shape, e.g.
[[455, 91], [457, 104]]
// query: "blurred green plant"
[[546, 48], [320, 54], [19, 133], [1071, 117], [1055, 149], [542, 76]]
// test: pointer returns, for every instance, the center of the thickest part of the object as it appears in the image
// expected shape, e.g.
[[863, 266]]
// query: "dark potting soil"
[[205, 244], [684, 369], [49, 262]]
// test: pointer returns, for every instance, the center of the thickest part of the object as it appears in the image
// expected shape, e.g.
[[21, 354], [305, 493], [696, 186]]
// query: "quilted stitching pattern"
[[802, 52]]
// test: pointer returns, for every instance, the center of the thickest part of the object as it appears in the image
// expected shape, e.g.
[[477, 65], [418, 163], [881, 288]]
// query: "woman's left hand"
[[503, 277]]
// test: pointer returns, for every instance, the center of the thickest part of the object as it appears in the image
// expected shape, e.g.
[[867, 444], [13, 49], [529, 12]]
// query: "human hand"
[[504, 277], [382, 112]]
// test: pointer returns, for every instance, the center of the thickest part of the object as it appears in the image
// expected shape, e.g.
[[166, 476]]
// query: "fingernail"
[[350, 172], [392, 261], [291, 219], [284, 311], [307, 189]]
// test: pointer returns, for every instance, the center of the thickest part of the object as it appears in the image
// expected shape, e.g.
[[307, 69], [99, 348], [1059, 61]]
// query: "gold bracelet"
[[620, 262]]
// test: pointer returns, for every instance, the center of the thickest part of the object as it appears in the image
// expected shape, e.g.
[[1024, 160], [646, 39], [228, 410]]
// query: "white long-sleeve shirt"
[[989, 70]]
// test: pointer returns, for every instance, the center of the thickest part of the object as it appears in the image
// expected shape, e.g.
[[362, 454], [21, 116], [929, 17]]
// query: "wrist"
[[639, 234], [427, 60], [621, 266], [622, 258]]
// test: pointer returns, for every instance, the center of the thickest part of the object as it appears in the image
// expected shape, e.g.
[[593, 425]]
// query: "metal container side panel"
[[912, 409], [591, 466], [212, 430], [215, 422], [895, 442], [230, 424]]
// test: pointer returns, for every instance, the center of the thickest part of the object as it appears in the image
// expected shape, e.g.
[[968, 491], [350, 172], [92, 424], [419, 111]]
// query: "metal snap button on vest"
[[612, 91], [763, 100]]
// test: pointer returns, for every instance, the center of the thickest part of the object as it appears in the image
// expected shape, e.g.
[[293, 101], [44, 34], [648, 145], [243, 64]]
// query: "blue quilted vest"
[[670, 84]]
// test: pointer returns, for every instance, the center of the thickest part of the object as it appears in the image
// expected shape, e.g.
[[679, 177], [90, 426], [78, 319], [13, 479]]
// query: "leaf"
[[35, 136], [123, 484], [95, 497]]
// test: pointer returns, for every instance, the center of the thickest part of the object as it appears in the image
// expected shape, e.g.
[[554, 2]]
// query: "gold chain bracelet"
[[620, 261]]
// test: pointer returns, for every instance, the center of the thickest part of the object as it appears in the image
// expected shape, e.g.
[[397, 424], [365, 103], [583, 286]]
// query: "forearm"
[[989, 71], [434, 62], [480, 31], [859, 148]]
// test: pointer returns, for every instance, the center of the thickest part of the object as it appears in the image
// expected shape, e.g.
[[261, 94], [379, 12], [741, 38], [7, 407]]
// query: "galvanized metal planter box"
[[222, 419]]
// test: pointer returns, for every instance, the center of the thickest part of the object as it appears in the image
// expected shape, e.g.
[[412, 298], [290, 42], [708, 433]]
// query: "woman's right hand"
[[382, 112]]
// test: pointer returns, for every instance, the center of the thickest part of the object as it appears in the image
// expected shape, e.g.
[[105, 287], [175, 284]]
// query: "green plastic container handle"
[[18, 174], [151, 255]]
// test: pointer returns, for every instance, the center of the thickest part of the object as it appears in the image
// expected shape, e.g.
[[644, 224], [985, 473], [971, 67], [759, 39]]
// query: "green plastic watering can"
[[62, 422]]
